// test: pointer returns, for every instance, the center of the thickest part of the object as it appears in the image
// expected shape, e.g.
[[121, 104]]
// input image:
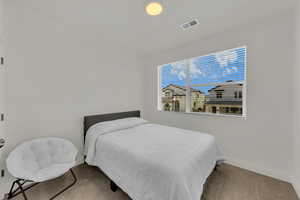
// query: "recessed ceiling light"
[[154, 8]]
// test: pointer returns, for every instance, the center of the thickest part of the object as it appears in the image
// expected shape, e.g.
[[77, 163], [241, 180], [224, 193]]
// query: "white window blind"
[[213, 84]]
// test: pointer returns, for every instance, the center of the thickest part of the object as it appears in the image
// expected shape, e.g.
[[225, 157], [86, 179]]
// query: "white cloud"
[[226, 57], [179, 69], [194, 70], [228, 70]]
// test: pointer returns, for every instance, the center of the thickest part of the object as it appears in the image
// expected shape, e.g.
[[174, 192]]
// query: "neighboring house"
[[174, 99], [225, 99]]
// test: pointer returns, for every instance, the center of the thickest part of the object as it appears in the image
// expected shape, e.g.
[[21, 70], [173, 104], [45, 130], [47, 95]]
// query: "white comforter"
[[153, 162]]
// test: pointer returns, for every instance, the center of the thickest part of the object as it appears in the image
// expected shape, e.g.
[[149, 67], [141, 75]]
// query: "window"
[[168, 94], [240, 94], [214, 84], [219, 95], [227, 110]]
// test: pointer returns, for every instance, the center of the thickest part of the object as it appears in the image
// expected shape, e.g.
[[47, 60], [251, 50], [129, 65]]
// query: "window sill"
[[206, 114]]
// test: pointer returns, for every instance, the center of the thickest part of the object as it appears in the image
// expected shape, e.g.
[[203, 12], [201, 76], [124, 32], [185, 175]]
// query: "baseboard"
[[296, 186], [281, 175]]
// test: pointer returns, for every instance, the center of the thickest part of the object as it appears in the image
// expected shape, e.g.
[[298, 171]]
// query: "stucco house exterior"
[[221, 99], [174, 99], [225, 99]]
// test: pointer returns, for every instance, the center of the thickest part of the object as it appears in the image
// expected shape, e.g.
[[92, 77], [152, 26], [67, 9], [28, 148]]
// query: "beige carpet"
[[227, 183]]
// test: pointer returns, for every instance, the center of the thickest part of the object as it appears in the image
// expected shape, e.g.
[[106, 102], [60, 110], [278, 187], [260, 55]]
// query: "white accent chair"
[[40, 160]]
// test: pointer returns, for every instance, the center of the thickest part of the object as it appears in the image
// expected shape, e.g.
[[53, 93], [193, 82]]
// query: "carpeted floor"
[[227, 183]]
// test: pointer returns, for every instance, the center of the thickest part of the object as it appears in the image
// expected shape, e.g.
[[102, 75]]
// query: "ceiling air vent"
[[189, 24]]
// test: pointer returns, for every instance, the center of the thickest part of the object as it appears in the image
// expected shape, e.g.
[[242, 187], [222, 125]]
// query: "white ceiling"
[[124, 22]]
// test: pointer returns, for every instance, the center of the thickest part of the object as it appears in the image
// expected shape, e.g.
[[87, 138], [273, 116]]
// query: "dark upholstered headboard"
[[93, 119]]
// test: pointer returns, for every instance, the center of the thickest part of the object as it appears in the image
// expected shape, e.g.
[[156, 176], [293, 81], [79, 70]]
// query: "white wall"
[[296, 98], [262, 142], [56, 75], [2, 93]]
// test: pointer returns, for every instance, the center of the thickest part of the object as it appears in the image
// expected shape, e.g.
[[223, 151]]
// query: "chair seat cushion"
[[51, 172], [42, 159]]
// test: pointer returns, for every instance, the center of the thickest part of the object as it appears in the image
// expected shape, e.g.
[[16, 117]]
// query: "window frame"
[[188, 86], [219, 95]]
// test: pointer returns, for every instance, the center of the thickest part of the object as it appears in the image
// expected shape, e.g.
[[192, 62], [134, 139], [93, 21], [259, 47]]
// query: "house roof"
[[218, 86], [182, 88]]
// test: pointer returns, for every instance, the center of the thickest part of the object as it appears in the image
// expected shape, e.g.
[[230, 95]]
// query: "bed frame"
[[93, 119]]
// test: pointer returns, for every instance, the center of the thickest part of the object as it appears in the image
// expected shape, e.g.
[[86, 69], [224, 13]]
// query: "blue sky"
[[213, 68]]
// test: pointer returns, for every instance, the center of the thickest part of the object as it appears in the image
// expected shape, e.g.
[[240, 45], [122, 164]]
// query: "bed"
[[150, 161]]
